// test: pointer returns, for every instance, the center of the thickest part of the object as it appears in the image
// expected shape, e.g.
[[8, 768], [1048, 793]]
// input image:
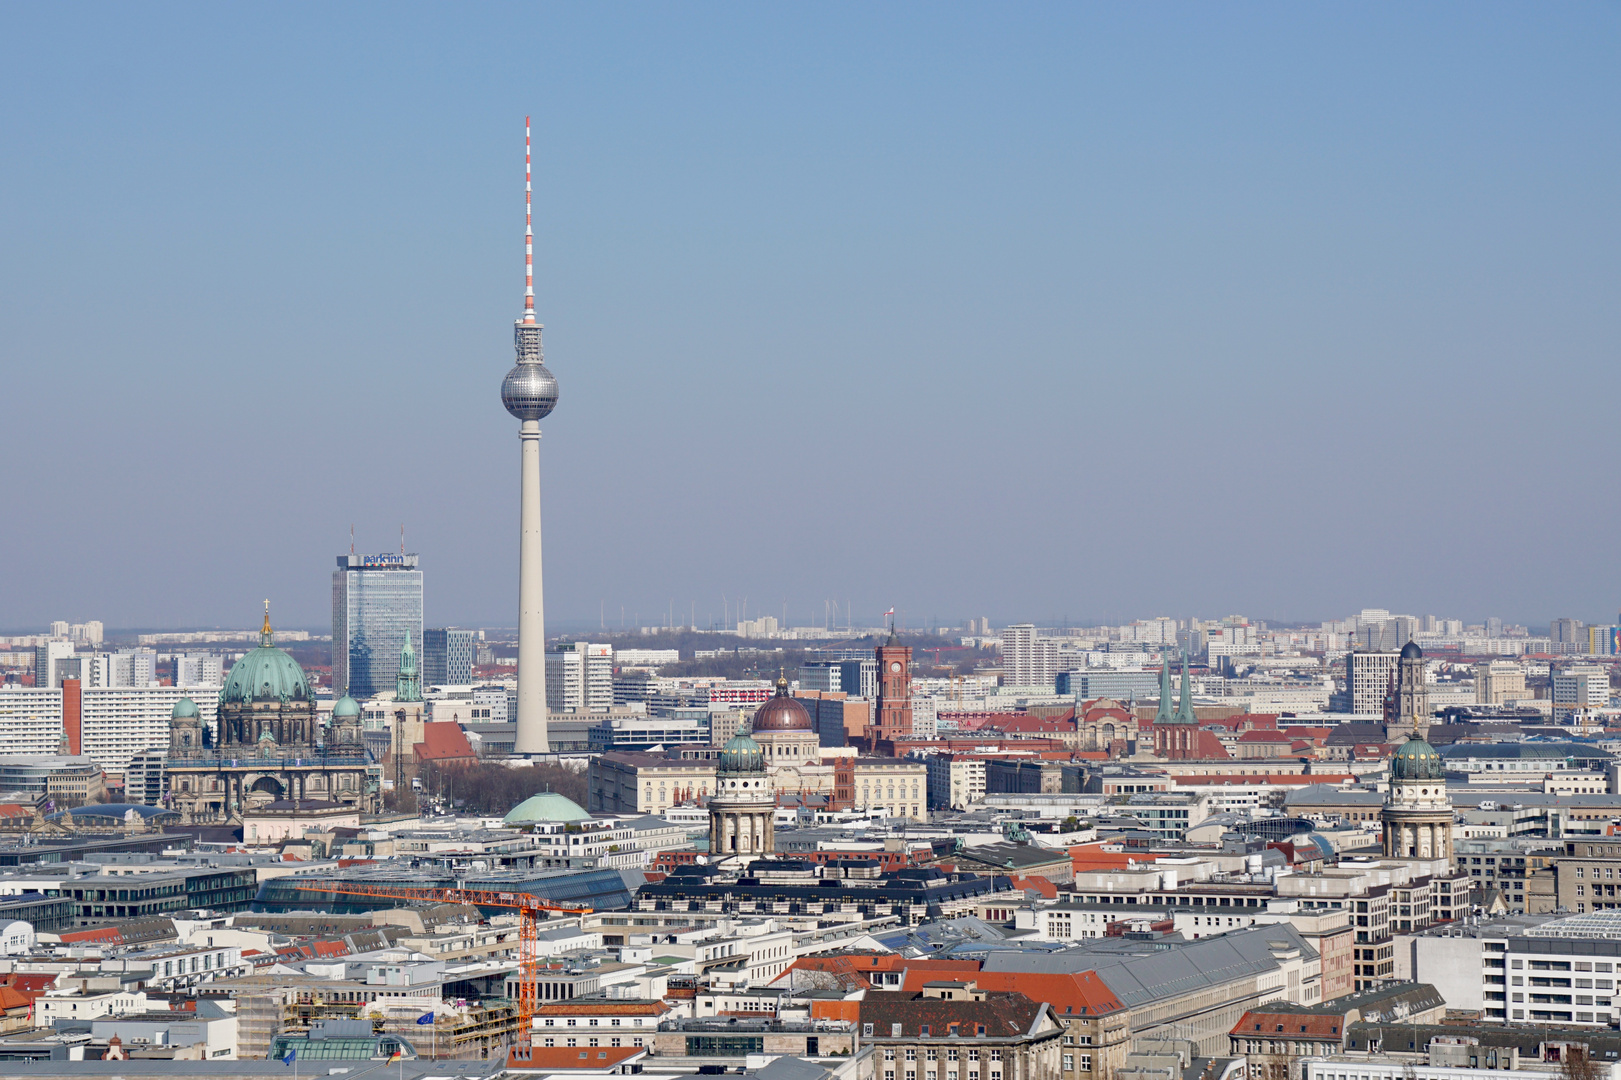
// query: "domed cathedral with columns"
[[742, 810], [1417, 815], [270, 745]]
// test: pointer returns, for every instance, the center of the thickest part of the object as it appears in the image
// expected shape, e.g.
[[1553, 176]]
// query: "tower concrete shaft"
[[532, 736], [529, 393]]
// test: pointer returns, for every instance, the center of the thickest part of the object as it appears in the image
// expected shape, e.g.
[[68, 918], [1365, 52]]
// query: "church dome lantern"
[[742, 755], [1417, 760], [782, 712], [265, 674]]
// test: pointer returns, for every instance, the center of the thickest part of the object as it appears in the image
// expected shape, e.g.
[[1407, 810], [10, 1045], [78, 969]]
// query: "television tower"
[[530, 393]]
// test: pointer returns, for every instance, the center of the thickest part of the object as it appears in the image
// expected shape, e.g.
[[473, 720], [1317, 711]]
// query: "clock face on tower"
[[894, 665]]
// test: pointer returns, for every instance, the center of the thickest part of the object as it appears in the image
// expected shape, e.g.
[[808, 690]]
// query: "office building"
[[1579, 686], [579, 677], [84, 633], [376, 601], [1368, 676], [47, 659], [1090, 684], [447, 657], [118, 722], [198, 669], [1028, 660], [651, 659], [1498, 682], [71, 781], [854, 678], [1567, 632], [1602, 640], [135, 667], [30, 720]]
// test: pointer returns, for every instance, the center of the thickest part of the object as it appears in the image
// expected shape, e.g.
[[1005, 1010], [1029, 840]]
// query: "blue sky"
[[1041, 311]]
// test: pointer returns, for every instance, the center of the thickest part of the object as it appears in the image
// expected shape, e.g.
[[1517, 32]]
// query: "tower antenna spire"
[[528, 233]]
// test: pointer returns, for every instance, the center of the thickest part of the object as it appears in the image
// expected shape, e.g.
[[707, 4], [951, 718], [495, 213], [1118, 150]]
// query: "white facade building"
[[1028, 660], [1367, 676], [579, 678], [955, 780], [30, 720], [199, 669], [118, 722], [47, 658], [1579, 686]]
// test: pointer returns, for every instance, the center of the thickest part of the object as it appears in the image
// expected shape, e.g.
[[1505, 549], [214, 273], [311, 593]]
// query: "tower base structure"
[[531, 736]]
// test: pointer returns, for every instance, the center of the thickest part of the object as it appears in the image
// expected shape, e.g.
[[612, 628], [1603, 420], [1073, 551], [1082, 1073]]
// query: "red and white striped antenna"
[[528, 234]]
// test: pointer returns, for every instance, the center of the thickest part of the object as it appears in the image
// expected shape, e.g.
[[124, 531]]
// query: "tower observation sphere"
[[530, 390]]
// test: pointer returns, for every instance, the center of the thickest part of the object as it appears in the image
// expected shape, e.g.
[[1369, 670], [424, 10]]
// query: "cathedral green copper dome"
[[345, 708], [742, 754], [547, 807], [265, 674], [1416, 760], [184, 709]]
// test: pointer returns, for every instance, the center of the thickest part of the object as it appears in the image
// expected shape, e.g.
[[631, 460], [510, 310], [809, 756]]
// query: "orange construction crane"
[[528, 905]]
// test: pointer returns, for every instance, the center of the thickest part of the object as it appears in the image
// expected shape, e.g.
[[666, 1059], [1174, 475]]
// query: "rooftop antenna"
[[528, 235], [402, 538], [351, 538]]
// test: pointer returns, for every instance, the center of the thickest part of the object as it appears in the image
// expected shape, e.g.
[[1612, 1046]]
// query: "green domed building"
[[1417, 816], [270, 746], [546, 808], [742, 811]]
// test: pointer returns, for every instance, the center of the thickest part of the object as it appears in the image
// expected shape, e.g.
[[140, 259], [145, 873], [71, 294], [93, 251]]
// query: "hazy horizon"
[[1038, 313]]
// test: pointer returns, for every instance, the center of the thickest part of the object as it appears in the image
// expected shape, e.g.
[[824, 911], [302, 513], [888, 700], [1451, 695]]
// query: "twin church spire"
[[1184, 710]]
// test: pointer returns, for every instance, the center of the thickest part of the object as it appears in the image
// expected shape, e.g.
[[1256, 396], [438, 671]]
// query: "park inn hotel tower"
[[376, 608]]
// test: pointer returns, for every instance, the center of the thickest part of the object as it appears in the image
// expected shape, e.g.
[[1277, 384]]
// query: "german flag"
[[395, 1056]]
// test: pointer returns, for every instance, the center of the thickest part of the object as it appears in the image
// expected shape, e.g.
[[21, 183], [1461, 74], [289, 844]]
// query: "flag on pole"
[[395, 1056], [891, 611], [425, 1018], [291, 1056]]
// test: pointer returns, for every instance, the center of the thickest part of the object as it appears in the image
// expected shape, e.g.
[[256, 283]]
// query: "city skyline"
[[1037, 314]]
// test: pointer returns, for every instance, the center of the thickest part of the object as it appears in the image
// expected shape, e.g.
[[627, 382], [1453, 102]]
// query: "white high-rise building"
[[117, 722], [47, 661], [1367, 677], [134, 667], [30, 720], [1579, 686], [579, 677], [1028, 660], [1498, 681], [198, 669], [84, 633]]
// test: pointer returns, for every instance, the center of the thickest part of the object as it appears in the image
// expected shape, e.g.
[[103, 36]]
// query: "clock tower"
[[894, 713]]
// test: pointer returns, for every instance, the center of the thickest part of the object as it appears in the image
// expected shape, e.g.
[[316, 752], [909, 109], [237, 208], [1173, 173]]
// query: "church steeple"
[[1165, 715], [408, 684], [1184, 709]]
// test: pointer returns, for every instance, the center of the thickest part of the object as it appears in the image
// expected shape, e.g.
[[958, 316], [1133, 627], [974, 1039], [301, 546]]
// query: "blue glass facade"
[[447, 657], [376, 600]]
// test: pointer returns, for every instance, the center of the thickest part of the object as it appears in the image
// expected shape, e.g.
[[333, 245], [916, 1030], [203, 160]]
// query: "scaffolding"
[[471, 1033], [285, 1010], [531, 909]]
